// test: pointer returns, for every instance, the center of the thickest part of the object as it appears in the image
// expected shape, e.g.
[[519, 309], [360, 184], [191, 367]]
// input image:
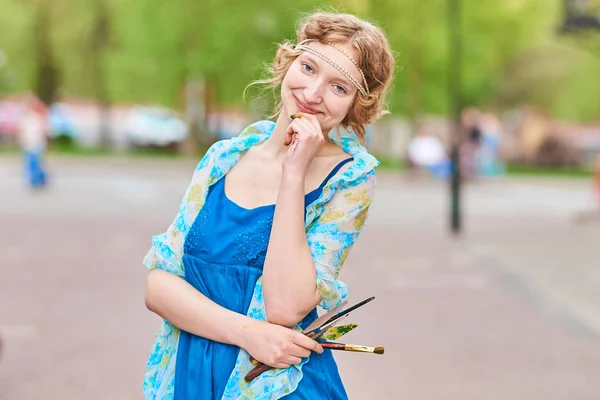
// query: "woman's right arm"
[[167, 292], [172, 298], [178, 302]]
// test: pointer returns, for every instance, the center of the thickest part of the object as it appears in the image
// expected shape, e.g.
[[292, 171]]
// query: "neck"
[[275, 146]]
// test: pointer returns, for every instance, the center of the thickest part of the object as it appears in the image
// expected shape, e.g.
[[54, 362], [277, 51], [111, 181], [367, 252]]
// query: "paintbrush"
[[352, 347], [260, 367], [336, 314], [321, 320], [314, 331]]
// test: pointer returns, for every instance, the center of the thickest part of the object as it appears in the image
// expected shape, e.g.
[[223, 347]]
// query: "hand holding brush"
[[321, 326]]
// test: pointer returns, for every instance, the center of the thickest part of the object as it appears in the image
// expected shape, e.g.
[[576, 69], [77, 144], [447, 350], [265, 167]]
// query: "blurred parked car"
[[154, 126], [61, 123]]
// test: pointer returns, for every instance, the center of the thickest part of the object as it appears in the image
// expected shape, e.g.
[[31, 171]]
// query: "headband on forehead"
[[363, 90]]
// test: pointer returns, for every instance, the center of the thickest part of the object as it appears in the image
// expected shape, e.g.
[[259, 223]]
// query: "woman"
[[266, 225]]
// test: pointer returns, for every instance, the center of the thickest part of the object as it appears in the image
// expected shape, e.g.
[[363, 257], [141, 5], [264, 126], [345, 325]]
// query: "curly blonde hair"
[[374, 58]]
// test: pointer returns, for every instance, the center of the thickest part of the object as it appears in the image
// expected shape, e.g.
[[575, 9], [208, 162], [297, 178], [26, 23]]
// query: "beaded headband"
[[363, 90]]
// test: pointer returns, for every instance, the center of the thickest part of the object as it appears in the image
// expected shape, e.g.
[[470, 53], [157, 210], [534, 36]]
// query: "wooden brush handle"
[[333, 346], [256, 371], [260, 367]]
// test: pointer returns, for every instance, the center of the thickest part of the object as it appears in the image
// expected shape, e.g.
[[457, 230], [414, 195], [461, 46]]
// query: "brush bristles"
[[378, 350]]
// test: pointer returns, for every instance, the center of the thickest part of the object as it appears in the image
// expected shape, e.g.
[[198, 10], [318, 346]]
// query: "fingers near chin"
[[306, 124]]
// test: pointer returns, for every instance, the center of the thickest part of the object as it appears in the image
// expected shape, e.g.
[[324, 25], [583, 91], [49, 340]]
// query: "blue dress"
[[224, 253]]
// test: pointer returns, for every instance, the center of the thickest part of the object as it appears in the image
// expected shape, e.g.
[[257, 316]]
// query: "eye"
[[340, 89], [307, 67]]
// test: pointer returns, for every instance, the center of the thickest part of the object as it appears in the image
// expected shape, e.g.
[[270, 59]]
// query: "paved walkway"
[[511, 310]]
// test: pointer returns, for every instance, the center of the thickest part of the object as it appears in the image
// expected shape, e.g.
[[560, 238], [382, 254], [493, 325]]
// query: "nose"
[[312, 92]]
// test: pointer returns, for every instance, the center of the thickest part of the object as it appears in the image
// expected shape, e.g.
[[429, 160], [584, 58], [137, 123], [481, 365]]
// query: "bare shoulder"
[[341, 158]]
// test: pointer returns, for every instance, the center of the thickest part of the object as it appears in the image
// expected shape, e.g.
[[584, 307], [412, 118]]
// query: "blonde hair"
[[375, 59]]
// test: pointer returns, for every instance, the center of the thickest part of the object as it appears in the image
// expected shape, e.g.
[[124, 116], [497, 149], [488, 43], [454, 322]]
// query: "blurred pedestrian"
[[266, 224], [33, 136], [488, 157]]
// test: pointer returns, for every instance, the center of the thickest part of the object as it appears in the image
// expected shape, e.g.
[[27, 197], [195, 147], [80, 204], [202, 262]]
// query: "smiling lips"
[[304, 107]]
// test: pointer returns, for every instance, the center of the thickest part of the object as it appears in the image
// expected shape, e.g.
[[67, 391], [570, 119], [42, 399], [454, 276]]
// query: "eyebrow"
[[342, 77]]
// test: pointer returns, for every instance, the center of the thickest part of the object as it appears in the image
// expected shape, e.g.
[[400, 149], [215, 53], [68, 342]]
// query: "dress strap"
[[335, 170]]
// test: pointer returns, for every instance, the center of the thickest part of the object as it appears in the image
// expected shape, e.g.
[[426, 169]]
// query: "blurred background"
[[482, 247]]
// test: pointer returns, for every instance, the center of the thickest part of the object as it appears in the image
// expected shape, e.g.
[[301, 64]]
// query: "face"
[[314, 86]]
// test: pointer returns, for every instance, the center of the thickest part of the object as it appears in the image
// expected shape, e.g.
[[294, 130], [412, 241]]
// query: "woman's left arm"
[[301, 267]]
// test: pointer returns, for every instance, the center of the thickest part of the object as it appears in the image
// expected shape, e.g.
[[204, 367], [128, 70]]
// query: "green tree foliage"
[[513, 52]]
